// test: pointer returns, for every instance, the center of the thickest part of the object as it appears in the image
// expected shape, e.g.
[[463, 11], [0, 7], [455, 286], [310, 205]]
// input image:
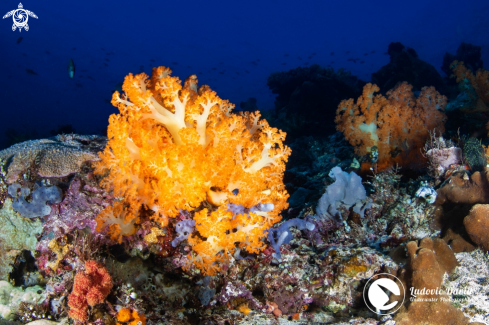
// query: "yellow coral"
[[173, 147]]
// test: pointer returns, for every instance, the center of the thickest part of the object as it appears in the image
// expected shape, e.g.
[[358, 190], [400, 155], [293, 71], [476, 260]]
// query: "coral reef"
[[477, 225], [423, 274], [12, 297], [469, 285], [90, 288], [56, 157], [17, 234], [183, 215]]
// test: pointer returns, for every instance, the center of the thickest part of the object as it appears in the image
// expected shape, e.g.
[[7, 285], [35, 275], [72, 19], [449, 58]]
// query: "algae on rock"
[[17, 234]]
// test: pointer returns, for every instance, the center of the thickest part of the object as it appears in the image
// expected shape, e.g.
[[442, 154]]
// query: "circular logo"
[[378, 291]]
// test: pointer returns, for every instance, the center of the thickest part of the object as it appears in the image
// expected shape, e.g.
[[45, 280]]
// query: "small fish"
[[30, 71], [152, 60], [71, 69], [254, 63], [19, 39], [372, 51], [47, 52], [286, 55], [174, 63], [106, 64]]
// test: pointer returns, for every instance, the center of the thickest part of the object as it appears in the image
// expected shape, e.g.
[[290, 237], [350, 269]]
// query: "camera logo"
[[378, 291]]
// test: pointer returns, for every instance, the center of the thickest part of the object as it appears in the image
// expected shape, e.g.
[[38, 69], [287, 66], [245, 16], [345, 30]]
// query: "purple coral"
[[81, 204]]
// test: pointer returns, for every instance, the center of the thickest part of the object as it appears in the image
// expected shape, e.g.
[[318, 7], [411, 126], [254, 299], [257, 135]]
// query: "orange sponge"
[[125, 315]]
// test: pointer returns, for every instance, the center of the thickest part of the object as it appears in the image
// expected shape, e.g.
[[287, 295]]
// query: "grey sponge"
[[37, 207]]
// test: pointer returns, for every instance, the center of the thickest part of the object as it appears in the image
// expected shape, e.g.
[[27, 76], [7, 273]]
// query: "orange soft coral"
[[90, 288], [398, 125], [479, 83], [125, 315], [172, 148]]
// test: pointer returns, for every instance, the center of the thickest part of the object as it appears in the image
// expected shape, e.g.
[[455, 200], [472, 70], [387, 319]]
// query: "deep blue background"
[[231, 45]]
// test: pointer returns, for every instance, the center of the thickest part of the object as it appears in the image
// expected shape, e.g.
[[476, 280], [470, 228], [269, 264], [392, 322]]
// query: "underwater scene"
[[244, 163]]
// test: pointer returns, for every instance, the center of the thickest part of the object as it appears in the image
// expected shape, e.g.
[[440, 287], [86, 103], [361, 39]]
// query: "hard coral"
[[477, 225], [54, 157], [398, 125], [427, 263], [171, 147], [90, 288]]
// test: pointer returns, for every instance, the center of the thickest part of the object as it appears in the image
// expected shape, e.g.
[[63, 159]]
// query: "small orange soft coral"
[[129, 317], [90, 288], [398, 125], [172, 147]]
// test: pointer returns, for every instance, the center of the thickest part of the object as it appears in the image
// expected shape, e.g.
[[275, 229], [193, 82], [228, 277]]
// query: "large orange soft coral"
[[398, 125], [172, 147]]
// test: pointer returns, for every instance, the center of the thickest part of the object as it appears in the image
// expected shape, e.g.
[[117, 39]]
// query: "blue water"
[[231, 45]]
